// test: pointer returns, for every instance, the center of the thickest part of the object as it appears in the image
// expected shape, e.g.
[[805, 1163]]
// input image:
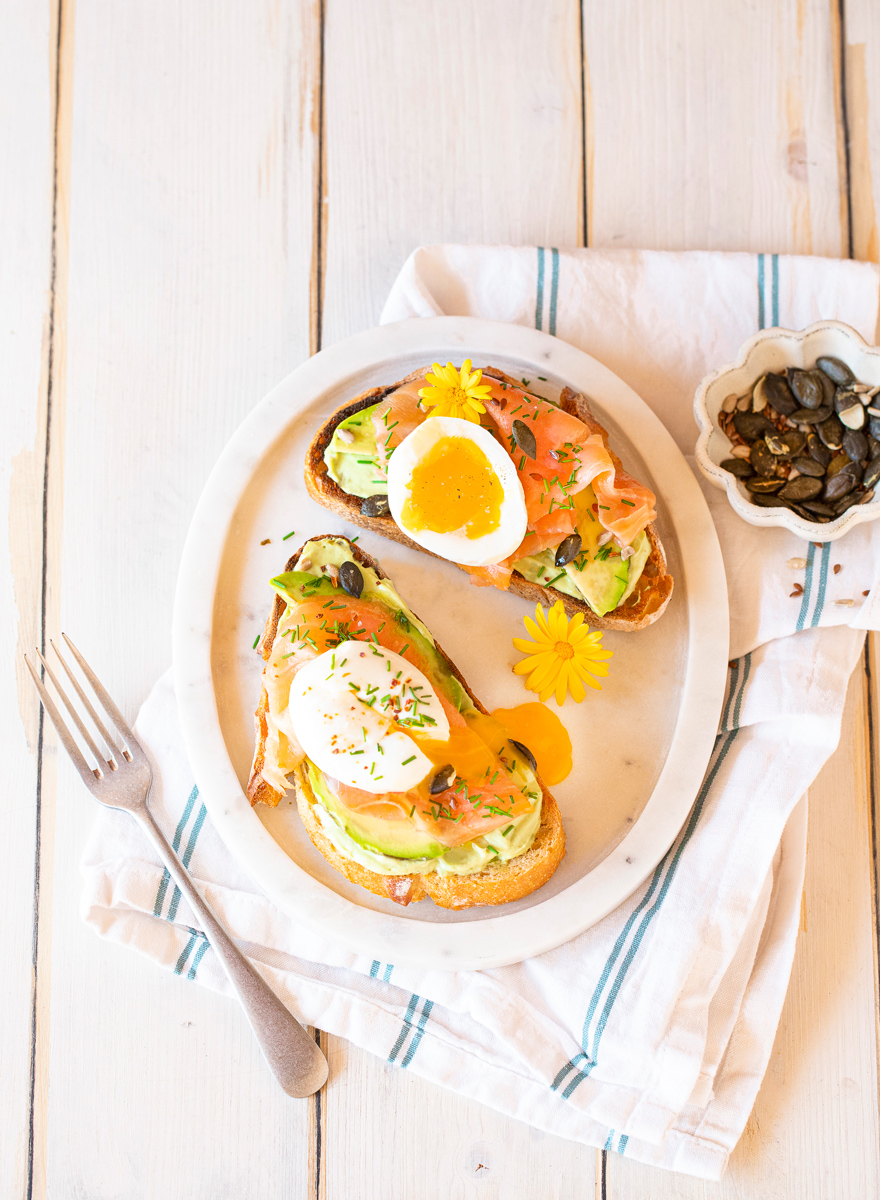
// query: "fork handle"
[[294, 1057]]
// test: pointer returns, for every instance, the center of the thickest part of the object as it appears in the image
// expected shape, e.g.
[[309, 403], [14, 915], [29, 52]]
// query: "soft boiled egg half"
[[454, 489]]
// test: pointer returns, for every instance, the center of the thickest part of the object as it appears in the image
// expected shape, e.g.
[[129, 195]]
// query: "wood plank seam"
[[60, 86], [584, 239], [319, 239]]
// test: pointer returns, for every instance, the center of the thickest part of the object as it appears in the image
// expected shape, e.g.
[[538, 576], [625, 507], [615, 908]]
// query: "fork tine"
[[109, 707], [87, 704], [74, 715], [61, 729]]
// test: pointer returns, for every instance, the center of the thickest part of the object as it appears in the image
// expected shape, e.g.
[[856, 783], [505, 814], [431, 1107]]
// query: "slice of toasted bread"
[[644, 606], [498, 884]]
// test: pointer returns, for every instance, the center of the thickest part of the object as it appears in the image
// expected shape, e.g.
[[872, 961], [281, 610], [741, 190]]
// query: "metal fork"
[[122, 779]]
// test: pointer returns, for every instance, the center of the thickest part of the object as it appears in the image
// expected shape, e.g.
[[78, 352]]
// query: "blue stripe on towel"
[[200, 954], [178, 834], [419, 1033], [760, 291], [187, 855], [539, 297], [808, 587], [405, 1028], [823, 580], [554, 290], [774, 270]]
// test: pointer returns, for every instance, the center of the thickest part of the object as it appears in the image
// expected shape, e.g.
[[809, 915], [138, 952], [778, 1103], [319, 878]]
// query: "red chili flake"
[[837, 568], [595, 507], [732, 664]]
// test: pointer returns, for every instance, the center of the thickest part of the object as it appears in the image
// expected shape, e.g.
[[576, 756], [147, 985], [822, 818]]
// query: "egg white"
[[343, 707], [457, 546]]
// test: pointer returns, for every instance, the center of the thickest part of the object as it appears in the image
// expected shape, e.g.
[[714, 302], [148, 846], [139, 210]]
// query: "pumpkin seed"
[[831, 433], [836, 370], [764, 500], [351, 578], [787, 444], [759, 396], [843, 399], [375, 506], [874, 426], [442, 780], [526, 753], [570, 547], [525, 439], [762, 460], [779, 394], [837, 464], [812, 416], [806, 388], [809, 466], [750, 426], [872, 472], [736, 466], [820, 509], [818, 450], [758, 485], [855, 445], [828, 387], [838, 486], [802, 488]]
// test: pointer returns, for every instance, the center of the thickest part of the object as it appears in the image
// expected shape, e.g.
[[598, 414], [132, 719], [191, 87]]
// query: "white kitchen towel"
[[648, 1034]]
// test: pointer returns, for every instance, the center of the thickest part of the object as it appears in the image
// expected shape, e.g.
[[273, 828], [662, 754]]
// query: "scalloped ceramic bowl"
[[773, 350]]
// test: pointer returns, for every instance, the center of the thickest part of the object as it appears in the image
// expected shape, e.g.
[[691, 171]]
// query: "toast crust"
[[644, 606], [498, 884]]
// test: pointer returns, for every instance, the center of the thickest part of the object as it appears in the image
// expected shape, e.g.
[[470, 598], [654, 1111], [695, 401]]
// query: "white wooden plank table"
[[192, 199]]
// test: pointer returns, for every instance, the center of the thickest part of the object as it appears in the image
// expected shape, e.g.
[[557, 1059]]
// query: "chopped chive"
[[412, 810], [505, 832], [256, 642], [288, 535], [412, 758], [554, 579], [543, 378], [631, 503]]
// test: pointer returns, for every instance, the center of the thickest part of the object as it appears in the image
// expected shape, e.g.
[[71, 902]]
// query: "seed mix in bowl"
[[808, 440]]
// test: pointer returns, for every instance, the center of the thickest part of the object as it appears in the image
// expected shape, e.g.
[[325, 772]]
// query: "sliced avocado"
[[352, 464], [600, 574], [398, 839]]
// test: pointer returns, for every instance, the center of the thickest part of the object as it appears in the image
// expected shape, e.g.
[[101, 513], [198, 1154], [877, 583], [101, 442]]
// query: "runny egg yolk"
[[454, 488], [535, 726]]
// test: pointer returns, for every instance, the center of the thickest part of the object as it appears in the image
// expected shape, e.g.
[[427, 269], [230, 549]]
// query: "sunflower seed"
[[525, 439], [351, 578], [728, 404], [526, 753], [844, 602], [304, 564], [759, 396], [796, 564], [861, 388], [741, 451], [605, 538], [744, 404], [627, 552], [345, 435]]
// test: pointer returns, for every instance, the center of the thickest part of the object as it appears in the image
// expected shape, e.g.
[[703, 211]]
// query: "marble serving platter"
[[641, 745]]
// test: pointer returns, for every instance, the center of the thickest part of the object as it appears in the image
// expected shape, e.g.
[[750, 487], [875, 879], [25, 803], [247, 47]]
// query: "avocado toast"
[[402, 780], [617, 577]]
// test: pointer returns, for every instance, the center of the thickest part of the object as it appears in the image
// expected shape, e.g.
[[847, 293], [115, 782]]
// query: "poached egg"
[[350, 708]]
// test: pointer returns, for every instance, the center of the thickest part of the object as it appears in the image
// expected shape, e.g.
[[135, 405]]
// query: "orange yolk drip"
[[535, 726], [466, 751], [453, 487]]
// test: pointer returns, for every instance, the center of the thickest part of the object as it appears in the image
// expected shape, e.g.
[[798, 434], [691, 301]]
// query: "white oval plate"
[[641, 745]]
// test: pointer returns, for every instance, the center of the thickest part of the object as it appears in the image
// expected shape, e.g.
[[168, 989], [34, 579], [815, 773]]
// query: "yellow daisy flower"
[[564, 656], [454, 393]]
